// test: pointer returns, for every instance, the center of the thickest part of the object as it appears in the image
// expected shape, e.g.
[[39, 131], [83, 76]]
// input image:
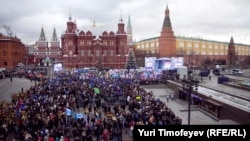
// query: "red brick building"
[[12, 52], [94, 46]]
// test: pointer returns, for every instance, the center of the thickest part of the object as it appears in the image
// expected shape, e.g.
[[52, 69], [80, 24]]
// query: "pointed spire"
[[231, 44], [70, 18], [129, 22], [54, 37], [167, 23], [167, 8], [129, 32], [42, 35], [121, 16], [232, 40], [94, 25]]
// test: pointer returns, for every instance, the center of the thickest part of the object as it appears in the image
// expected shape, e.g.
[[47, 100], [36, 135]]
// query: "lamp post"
[[26, 61], [190, 84]]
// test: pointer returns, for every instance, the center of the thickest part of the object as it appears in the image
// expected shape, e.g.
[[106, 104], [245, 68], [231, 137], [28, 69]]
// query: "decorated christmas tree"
[[131, 60]]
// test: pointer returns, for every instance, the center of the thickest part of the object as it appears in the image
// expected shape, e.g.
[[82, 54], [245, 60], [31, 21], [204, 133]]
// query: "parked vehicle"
[[218, 71], [237, 72]]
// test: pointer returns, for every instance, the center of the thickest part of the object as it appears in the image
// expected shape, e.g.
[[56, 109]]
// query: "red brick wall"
[[167, 43]]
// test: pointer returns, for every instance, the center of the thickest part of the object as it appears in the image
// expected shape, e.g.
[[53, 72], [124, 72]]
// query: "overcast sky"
[[207, 19]]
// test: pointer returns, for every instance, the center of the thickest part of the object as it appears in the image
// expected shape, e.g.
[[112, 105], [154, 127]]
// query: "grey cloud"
[[189, 17]]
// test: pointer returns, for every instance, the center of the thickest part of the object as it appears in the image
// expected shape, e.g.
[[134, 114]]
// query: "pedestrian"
[[209, 77], [172, 97], [10, 79], [22, 90], [167, 97]]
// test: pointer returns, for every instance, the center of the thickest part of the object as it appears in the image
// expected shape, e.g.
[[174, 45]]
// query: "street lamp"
[[26, 61], [190, 84]]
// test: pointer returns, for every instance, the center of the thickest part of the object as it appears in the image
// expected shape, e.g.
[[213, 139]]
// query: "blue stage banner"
[[192, 132]]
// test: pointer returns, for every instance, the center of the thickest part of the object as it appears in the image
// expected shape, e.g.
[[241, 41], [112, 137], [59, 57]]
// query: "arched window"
[[89, 53], [105, 53], [111, 53], [82, 52], [97, 53]]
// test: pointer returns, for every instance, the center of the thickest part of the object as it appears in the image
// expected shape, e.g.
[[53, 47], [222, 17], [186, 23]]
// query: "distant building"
[[29, 54], [95, 46], [196, 51], [46, 51], [92, 46], [12, 52]]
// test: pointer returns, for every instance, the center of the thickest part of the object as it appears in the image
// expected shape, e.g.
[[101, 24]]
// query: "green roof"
[[129, 22], [205, 40], [167, 22], [192, 38], [148, 39], [197, 39]]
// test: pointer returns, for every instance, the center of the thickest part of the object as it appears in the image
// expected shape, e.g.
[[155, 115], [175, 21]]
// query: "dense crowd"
[[83, 107]]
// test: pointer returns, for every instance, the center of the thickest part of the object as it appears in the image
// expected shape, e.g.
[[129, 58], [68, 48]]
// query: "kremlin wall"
[[195, 51]]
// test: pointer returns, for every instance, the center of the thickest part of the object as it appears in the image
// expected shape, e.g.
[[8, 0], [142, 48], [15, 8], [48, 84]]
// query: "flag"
[[68, 112], [138, 98], [22, 106], [79, 115], [19, 103], [97, 90]]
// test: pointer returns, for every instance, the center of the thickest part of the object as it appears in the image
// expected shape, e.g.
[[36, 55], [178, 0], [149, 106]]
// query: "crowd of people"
[[82, 108]]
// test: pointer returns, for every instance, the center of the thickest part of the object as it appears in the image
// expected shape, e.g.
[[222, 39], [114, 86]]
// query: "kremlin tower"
[[167, 40]]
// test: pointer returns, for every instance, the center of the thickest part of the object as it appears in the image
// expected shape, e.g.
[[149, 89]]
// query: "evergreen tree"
[[131, 60]]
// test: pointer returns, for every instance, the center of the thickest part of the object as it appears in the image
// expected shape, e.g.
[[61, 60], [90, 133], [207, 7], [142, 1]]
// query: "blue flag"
[[68, 112], [79, 115]]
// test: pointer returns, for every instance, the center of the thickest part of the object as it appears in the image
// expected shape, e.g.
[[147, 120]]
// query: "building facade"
[[29, 57], [46, 51], [196, 51], [12, 52], [94, 47]]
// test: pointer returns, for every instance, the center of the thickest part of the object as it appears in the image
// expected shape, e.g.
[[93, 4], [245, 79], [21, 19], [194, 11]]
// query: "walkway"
[[179, 107]]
